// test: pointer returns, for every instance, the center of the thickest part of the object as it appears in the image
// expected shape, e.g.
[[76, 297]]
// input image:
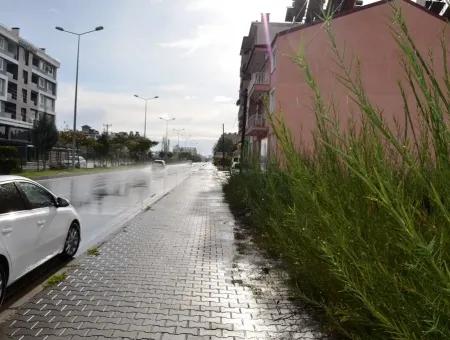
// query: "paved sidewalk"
[[176, 271]]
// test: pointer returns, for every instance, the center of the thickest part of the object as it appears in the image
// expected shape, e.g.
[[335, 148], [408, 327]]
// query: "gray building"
[[28, 87]]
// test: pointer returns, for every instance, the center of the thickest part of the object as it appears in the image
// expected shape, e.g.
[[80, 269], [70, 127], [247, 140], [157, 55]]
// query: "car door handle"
[[40, 223], [6, 231]]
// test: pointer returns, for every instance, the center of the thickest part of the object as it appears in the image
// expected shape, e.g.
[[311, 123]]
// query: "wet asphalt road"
[[105, 201]]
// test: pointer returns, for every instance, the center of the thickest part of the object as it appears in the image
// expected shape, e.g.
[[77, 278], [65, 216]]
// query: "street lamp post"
[[98, 28], [167, 119], [178, 132], [146, 101]]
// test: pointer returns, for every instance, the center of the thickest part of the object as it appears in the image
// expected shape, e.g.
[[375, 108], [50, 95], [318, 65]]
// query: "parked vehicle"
[[35, 225], [159, 162], [235, 165], [80, 162]]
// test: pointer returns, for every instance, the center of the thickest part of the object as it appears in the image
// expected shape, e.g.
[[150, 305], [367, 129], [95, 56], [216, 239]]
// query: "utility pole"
[[107, 126], [223, 146], [167, 119]]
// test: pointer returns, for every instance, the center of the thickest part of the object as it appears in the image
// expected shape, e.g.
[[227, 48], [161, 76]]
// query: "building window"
[[24, 95], [35, 61], [25, 77], [47, 68], [50, 87], [2, 87], [23, 112], [46, 103], [42, 83], [2, 43], [34, 97], [34, 114], [3, 132], [2, 65]]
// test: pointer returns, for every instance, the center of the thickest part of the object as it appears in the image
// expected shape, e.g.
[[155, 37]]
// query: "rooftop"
[[14, 35]]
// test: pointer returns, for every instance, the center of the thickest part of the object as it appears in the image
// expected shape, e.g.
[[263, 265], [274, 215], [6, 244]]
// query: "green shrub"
[[363, 225], [9, 160]]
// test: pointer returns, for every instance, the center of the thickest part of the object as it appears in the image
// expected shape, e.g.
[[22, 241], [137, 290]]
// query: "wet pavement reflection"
[[106, 200]]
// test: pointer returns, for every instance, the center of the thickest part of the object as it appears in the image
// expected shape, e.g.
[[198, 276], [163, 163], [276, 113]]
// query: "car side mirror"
[[62, 202]]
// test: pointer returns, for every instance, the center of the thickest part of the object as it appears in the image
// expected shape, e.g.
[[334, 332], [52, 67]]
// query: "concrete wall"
[[366, 35]]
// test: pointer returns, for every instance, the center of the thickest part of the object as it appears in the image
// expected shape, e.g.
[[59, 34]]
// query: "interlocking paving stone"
[[176, 271]]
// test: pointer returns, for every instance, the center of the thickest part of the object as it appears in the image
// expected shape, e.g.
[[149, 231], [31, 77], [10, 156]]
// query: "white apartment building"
[[28, 87]]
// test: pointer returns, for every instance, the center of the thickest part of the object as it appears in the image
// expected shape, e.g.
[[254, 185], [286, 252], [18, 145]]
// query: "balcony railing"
[[259, 78], [8, 53], [256, 125], [11, 75], [7, 114], [12, 95], [48, 74]]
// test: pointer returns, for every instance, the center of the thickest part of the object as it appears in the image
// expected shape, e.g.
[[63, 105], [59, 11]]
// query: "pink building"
[[366, 34]]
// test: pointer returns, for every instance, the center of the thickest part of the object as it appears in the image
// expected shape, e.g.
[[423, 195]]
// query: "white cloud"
[[205, 36], [172, 88], [223, 99]]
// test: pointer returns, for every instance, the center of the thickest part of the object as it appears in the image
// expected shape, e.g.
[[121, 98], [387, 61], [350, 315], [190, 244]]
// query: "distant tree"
[[66, 138], [102, 147], [224, 145], [119, 150], [139, 147], [44, 136]]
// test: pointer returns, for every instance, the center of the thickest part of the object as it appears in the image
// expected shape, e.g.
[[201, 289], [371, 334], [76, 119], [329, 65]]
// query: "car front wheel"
[[72, 241]]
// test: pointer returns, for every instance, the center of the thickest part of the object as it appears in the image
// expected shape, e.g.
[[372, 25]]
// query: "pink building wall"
[[366, 35]]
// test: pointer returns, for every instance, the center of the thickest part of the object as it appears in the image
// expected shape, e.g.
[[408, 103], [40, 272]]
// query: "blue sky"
[[185, 51]]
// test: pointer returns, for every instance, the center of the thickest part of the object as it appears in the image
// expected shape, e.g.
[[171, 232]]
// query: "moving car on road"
[[159, 162], [35, 225]]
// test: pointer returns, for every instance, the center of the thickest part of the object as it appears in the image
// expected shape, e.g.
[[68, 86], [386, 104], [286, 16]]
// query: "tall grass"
[[363, 224]]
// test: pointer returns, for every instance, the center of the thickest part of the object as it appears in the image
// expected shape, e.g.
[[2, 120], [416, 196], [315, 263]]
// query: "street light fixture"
[[167, 119], [98, 28], [146, 101]]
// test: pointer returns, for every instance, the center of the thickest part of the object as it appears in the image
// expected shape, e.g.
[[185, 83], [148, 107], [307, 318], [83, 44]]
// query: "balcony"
[[256, 126], [8, 53], [37, 69], [8, 115], [11, 76], [259, 83], [12, 96]]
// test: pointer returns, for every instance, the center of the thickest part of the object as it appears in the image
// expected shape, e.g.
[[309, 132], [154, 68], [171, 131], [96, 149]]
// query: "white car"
[[35, 225], [235, 168], [159, 162], [80, 162], [235, 165]]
